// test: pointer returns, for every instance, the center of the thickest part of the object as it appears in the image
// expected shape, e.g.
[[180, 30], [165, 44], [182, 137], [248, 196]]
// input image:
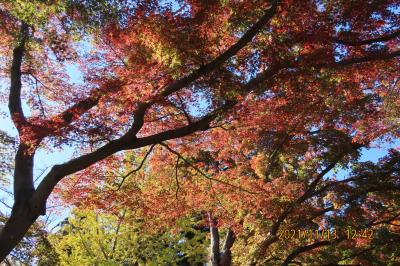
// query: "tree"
[[200, 74], [89, 237]]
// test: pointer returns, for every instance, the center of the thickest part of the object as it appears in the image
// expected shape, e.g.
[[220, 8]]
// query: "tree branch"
[[176, 179], [71, 114], [14, 101], [137, 168], [120, 221], [377, 56], [125, 142], [189, 120], [303, 249], [201, 172], [383, 38]]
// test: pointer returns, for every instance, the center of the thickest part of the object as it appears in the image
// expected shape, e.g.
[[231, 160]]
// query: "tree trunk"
[[226, 254], [218, 258], [15, 228], [21, 217], [214, 249]]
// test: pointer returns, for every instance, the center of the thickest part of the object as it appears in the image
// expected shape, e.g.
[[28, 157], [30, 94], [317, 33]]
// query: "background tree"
[[97, 238]]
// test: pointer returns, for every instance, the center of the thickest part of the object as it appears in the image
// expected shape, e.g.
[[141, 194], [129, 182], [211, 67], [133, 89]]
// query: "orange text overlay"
[[326, 234]]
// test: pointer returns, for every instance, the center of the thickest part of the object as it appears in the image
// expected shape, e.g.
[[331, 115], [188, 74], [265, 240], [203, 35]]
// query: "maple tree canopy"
[[241, 108]]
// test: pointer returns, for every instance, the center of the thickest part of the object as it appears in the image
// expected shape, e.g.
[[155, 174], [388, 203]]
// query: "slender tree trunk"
[[214, 249], [226, 254], [218, 258]]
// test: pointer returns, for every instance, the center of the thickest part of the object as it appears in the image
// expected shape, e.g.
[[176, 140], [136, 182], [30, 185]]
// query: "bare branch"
[[189, 120], [202, 173], [377, 56], [136, 169], [383, 38], [176, 178], [303, 249], [5, 204]]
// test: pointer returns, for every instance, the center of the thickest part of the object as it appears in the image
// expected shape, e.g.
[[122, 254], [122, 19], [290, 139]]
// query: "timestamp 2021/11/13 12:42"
[[326, 234]]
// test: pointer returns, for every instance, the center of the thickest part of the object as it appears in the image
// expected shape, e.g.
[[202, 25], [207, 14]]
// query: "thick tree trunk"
[[22, 217], [15, 228]]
